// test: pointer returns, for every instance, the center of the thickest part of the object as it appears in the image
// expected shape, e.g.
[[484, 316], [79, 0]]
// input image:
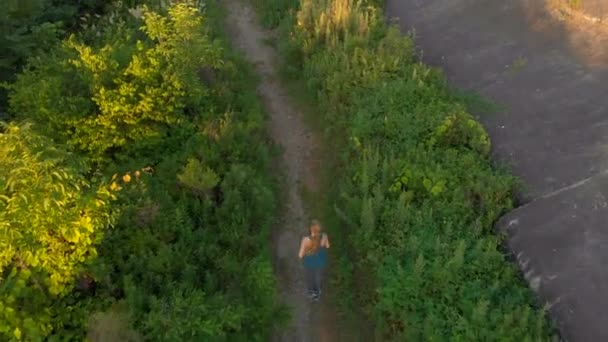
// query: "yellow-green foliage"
[[330, 22], [124, 90], [50, 223], [460, 129], [575, 3], [197, 178], [187, 258]]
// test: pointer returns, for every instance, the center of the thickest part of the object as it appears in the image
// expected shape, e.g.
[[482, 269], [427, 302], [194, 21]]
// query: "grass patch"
[[476, 103]]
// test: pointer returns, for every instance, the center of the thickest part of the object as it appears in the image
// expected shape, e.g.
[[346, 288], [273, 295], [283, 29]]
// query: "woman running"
[[313, 252]]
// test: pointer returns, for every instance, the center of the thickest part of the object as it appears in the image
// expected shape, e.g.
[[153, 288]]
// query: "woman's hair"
[[315, 241]]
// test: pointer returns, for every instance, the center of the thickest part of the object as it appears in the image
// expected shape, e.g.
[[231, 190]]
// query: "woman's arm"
[[325, 241], [303, 244]]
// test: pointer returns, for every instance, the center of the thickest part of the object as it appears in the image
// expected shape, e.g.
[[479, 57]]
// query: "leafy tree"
[[188, 257], [131, 88], [51, 219], [31, 27]]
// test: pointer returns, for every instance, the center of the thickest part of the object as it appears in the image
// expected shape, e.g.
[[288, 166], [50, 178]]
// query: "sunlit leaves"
[[106, 97], [50, 221], [197, 178], [188, 256]]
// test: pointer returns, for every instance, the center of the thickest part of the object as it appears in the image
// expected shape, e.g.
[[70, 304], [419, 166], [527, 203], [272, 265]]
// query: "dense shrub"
[[129, 88], [418, 195], [273, 11], [31, 27], [153, 104], [51, 220]]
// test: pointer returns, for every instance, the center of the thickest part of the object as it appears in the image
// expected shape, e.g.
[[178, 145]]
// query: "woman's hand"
[[303, 245], [325, 241]]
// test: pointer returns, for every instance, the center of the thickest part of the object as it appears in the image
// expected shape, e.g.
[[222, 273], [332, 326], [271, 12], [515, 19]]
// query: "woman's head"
[[315, 228], [315, 237]]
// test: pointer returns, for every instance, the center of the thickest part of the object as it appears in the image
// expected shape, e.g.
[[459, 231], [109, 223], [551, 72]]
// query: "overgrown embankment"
[[595, 10], [414, 193], [174, 246]]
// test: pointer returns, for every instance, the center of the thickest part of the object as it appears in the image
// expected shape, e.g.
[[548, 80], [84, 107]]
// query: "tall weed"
[[417, 194]]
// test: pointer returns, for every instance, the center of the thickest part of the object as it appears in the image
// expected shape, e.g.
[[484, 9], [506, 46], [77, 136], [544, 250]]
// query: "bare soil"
[[311, 321]]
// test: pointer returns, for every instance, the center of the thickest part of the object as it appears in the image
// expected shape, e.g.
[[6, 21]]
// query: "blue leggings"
[[313, 279]]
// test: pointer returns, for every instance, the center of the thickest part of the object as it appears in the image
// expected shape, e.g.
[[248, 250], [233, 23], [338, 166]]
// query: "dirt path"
[[311, 321]]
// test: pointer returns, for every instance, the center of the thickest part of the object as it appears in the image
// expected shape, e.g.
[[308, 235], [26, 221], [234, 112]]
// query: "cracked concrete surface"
[[550, 73]]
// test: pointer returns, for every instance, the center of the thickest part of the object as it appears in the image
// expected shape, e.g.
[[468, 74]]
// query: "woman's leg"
[[317, 280], [310, 280]]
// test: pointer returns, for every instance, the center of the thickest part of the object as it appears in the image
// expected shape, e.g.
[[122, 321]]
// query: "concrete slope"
[[551, 77]]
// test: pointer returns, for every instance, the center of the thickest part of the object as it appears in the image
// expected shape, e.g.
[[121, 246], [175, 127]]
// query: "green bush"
[[418, 195], [51, 221], [160, 108], [273, 12], [31, 27], [127, 89]]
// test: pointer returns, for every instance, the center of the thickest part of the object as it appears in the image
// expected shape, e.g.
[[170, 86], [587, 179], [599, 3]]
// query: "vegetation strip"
[[416, 195], [135, 198]]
